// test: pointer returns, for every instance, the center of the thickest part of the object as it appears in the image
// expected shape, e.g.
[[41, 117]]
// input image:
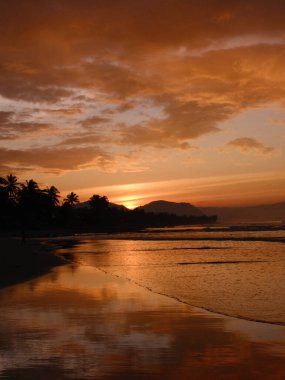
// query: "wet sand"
[[20, 262], [79, 323]]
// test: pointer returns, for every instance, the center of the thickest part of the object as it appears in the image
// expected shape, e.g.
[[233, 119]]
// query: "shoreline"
[[22, 262], [36, 257], [127, 332], [193, 306]]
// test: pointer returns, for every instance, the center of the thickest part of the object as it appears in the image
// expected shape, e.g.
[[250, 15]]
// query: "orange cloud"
[[99, 79], [64, 111], [85, 139], [11, 129], [55, 158], [248, 145], [94, 120]]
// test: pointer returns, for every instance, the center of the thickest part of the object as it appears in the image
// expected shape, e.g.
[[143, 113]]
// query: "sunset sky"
[[140, 100]]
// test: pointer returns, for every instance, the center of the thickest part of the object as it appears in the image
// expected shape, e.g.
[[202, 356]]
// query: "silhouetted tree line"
[[27, 206]]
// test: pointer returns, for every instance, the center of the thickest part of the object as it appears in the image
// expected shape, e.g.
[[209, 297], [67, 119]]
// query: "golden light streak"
[[216, 190]]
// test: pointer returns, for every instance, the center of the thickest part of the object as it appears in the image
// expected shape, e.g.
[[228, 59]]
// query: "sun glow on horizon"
[[236, 189], [130, 204]]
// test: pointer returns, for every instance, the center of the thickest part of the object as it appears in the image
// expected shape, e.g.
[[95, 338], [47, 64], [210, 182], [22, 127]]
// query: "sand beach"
[[21, 261], [88, 320]]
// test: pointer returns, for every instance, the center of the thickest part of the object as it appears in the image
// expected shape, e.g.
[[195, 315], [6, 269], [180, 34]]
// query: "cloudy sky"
[[140, 100]]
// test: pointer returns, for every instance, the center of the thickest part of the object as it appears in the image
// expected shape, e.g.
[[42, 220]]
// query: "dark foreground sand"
[[20, 262]]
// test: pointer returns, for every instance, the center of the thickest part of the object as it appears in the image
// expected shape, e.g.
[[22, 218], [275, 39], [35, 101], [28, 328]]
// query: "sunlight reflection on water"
[[80, 323], [236, 278]]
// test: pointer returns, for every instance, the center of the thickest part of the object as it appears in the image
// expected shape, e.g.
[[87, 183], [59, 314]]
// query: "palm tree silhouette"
[[30, 186], [29, 195], [71, 199], [53, 195], [29, 205], [99, 203], [10, 185]]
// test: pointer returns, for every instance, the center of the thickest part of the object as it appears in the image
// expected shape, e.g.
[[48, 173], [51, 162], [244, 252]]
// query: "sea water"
[[236, 273], [86, 321]]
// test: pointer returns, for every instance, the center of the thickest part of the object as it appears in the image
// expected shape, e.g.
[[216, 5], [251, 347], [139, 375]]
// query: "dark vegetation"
[[25, 206]]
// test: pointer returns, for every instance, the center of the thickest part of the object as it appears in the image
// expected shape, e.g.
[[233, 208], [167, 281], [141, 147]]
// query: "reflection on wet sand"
[[81, 323], [238, 279]]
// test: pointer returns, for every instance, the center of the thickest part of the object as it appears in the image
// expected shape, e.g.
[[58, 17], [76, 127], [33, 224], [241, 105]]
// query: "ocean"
[[136, 306], [233, 271]]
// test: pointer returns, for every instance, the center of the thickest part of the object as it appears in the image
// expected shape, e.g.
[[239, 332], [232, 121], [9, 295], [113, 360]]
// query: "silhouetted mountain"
[[179, 209], [262, 213]]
